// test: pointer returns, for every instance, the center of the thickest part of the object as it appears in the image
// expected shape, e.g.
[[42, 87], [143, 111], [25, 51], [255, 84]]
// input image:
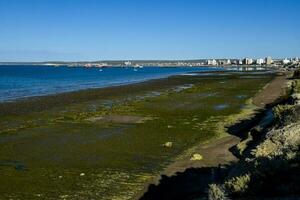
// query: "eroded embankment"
[[270, 159], [186, 179]]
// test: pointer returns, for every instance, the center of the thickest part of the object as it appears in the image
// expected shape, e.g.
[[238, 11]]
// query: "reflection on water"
[[27, 81], [221, 106]]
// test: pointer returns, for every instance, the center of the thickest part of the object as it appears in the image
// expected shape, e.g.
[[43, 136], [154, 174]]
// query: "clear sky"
[[38, 30]]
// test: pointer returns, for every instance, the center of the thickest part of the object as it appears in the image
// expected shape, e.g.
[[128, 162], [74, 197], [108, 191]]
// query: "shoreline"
[[112, 85], [216, 152], [86, 98], [78, 96], [134, 83]]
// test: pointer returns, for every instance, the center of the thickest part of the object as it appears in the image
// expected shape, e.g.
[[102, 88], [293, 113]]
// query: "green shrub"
[[216, 192], [285, 114], [238, 184], [294, 87], [243, 145], [296, 74]]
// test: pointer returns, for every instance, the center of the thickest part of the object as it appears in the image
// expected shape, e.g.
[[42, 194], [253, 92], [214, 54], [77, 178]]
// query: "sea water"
[[27, 81]]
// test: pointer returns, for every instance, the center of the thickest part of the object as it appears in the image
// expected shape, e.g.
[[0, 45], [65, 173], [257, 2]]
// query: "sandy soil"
[[217, 152], [271, 92], [123, 119]]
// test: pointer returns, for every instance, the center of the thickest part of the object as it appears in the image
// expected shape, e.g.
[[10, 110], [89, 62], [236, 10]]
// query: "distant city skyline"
[[91, 30]]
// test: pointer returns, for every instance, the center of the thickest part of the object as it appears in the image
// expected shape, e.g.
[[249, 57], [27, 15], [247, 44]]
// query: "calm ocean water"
[[27, 81]]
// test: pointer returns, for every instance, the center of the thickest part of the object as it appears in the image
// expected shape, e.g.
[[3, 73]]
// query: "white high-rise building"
[[248, 61], [260, 61], [269, 60], [127, 63], [212, 62], [286, 61]]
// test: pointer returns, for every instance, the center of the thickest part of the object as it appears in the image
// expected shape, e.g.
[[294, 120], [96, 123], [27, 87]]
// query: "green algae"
[[55, 141]]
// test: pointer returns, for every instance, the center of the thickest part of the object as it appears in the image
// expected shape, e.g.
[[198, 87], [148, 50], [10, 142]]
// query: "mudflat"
[[108, 143], [214, 153]]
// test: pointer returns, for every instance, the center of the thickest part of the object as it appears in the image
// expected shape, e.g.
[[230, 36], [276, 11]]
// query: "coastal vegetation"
[[269, 165], [102, 143]]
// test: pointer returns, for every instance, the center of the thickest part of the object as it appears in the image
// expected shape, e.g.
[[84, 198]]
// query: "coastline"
[[36, 105], [217, 152], [78, 96], [113, 85]]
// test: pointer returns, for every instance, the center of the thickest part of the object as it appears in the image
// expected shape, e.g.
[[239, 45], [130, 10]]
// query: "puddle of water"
[[17, 165], [221, 106], [108, 103], [183, 87], [241, 96], [148, 95], [190, 74]]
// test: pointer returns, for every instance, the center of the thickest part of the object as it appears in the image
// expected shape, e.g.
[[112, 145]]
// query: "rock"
[[169, 126], [196, 157], [168, 144], [296, 98], [60, 176], [64, 196], [82, 174]]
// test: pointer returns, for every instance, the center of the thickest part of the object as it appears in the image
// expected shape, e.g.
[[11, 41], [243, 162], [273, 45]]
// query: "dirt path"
[[214, 153], [271, 92], [217, 152]]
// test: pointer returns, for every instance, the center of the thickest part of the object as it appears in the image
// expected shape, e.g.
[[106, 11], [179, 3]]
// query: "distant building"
[[212, 62], [296, 60], [240, 62], [269, 60], [224, 62], [88, 65], [286, 61], [235, 62], [248, 61], [260, 61], [127, 63]]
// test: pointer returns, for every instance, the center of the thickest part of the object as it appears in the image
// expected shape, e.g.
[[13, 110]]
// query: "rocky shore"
[[258, 160]]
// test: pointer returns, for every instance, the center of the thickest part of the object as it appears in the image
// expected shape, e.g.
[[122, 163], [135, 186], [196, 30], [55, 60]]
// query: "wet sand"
[[68, 134], [216, 152]]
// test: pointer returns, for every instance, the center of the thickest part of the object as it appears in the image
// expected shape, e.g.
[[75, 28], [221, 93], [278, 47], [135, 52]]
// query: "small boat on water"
[[138, 66]]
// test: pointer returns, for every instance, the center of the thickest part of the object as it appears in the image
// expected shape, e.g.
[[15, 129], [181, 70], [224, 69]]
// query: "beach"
[[216, 153], [108, 143]]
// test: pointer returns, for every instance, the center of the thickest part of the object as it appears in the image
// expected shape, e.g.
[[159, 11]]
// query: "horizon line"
[[119, 60]]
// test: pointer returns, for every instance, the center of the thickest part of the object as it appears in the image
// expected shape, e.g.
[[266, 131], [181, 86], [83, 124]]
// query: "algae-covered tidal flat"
[[107, 143]]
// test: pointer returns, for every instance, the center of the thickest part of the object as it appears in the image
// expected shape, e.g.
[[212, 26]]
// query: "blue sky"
[[38, 30]]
